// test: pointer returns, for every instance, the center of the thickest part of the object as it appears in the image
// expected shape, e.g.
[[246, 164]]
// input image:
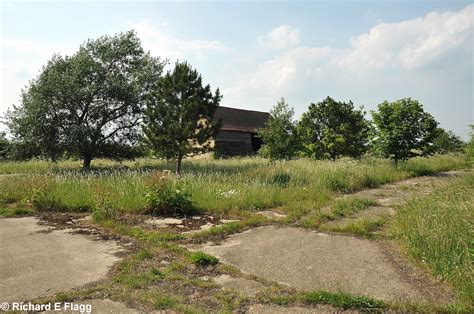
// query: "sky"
[[259, 52]]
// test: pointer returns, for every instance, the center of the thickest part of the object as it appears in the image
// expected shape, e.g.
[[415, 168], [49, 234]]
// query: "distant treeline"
[[111, 99]]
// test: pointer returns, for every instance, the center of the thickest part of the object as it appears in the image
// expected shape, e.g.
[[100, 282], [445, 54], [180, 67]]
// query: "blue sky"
[[258, 52]]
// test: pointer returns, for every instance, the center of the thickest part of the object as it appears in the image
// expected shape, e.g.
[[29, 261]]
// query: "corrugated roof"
[[241, 120]]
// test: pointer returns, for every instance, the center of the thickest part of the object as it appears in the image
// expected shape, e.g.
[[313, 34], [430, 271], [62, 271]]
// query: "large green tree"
[[331, 129], [279, 135], [404, 130], [179, 114], [447, 142], [81, 105]]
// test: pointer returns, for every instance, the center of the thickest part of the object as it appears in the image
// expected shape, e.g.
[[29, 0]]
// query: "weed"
[[346, 206], [203, 259], [144, 254], [361, 227], [342, 300], [103, 208], [16, 212], [166, 197], [163, 302], [281, 179]]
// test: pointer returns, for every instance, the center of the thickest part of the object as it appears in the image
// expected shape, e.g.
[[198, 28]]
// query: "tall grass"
[[439, 231], [221, 186]]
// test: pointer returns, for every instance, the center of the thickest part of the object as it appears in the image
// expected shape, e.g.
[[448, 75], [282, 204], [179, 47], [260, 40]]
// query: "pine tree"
[[178, 118]]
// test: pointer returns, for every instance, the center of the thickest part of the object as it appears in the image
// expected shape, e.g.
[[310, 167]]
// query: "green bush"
[[203, 259], [167, 197]]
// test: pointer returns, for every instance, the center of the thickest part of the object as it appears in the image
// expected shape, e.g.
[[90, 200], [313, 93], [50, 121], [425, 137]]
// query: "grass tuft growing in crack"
[[343, 300], [203, 259]]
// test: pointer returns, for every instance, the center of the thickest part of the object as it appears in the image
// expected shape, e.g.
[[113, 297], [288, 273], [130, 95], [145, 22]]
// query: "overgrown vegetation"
[[438, 231], [167, 197], [340, 300], [213, 186]]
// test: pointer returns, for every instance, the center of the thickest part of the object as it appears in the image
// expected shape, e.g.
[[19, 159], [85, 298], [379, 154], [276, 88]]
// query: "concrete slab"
[[271, 214], [276, 309], [35, 262], [163, 222], [311, 260], [98, 306], [244, 286]]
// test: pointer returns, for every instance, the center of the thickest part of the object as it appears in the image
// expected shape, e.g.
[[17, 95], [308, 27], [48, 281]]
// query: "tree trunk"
[[178, 164], [86, 164], [395, 163]]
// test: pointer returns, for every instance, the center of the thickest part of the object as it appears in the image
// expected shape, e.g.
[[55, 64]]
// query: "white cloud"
[[410, 44], [165, 45], [281, 37], [22, 59], [428, 58]]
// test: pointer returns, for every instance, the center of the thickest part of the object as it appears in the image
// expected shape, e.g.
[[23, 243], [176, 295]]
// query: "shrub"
[[103, 208], [203, 259], [167, 197], [39, 193]]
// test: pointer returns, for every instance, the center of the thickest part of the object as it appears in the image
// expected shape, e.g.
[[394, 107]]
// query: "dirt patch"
[[39, 262], [312, 260]]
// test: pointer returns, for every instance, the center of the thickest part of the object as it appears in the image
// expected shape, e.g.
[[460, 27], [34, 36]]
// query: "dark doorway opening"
[[256, 142]]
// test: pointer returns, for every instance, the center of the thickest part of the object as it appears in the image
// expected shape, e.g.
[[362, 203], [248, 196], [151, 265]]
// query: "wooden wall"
[[232, 143]]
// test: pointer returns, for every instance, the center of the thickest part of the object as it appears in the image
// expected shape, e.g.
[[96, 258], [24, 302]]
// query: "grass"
[[339, 300], [360, 227], [438, 230], [16, 212], [340, 208], [216, 186], [203, 259], [235, 188], [347, 206], [342, 300]]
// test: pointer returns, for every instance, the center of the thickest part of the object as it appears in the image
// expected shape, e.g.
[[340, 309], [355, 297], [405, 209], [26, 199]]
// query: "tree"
[[331, 129], [470, 146], [4, 146], [404, 130], [279, 135], [81, 104], [178, 119], [447, 142]]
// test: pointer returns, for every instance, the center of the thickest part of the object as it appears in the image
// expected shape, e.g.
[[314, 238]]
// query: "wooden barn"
[[238, 134]]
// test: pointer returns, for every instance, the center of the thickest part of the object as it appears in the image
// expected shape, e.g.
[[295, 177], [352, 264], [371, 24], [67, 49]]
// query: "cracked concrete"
[[36, 261]]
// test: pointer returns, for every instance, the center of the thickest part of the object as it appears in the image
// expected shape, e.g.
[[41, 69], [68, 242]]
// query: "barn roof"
[[241, 120]]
